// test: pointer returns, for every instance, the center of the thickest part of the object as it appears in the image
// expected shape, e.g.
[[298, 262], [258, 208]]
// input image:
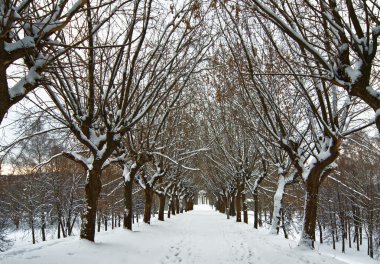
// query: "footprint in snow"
[[32, 257]]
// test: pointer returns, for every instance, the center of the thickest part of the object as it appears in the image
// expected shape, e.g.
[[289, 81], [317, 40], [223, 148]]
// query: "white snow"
[[31, 77], [25, 43], [373, 92], [127, 171], [277, 203], [201, 236], [75, 7], [354, 72]]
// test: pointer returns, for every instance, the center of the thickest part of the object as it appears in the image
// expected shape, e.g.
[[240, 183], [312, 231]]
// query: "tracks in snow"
[[206, 238]]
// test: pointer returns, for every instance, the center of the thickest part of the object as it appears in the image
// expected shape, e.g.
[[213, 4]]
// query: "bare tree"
[[339, 38], [141, 62], [305, 116], [29, 43]]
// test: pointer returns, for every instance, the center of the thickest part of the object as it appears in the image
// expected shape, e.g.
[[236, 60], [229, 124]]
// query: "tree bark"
[[256, 209], [33, 230], [311, 206], [181, 206], [4, 93], [232, 205], [70, 230], [245, 208], [112, 220], [356, 226], [370, 232], [59, 230], [162, 207], [320, 232], [105, 222], [92, 190], [43, 225], [177, 204], [173, 204], [238, 206], [63, 228], [222, 205], [128, 204], [148, 193], [169, 206]]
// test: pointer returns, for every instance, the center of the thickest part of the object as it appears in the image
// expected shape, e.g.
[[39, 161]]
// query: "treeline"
[[48, 204]]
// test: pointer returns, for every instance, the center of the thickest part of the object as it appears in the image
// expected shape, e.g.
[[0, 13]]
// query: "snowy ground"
[[201, 236]]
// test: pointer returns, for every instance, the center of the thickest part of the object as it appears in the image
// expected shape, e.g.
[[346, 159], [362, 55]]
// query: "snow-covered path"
[[201, 236], [206, 237]]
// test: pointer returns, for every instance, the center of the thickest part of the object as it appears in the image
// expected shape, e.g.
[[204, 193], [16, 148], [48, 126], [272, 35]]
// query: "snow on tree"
[[339, 38], [107, 87], [30, 41]]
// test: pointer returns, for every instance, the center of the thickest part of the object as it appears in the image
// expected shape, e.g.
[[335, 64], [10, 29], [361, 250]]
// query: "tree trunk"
[[128, 205], [177, 204], [92, 190], [332, 220], [228, 204], [256, 209], [63, 228], [68, 224], [162, 207], [245, 208], [238, 206], [356, 226], [315, 177], [311, 206], [181, 206], [370, 232], [70, 230], [320, 232], [99, 221], [223, 205], [33, 231], [283, 223], [270, 217], [4, 92], [43, 225], [343, 234], [277, 205], [173, 204], [59, 230], [169, 206], [342, 221], [105, 222], [232, 205], [16, 221], [148, 192], [33, 236], [349, 233], [112, 220]]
